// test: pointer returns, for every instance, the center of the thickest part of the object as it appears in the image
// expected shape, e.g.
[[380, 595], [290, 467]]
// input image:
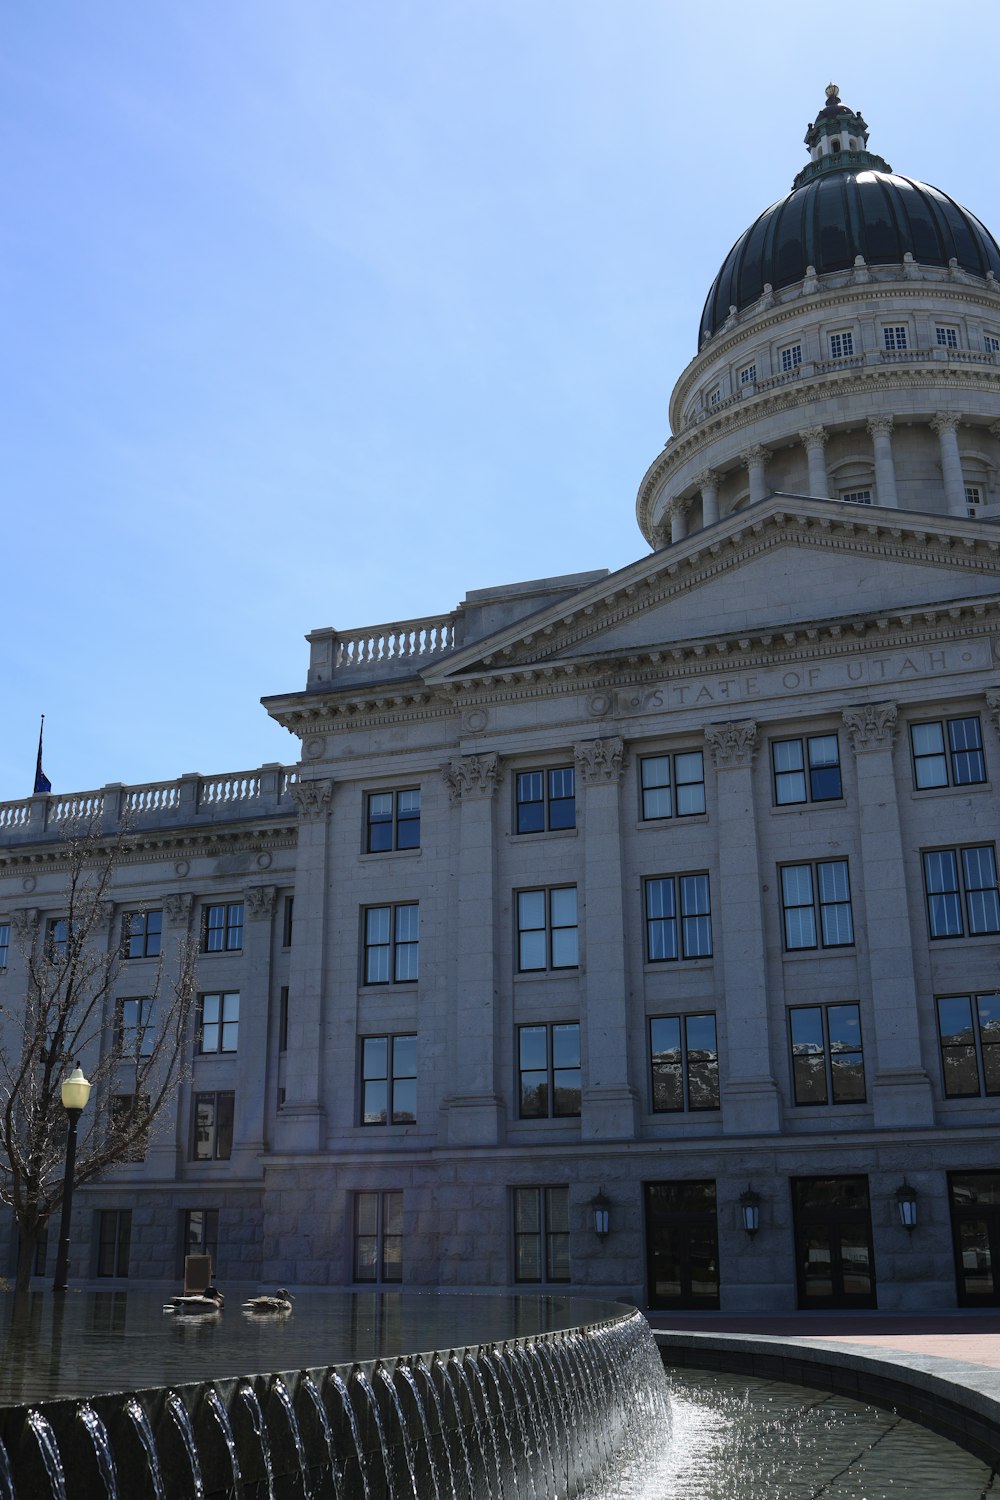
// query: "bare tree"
[[66, 1014]]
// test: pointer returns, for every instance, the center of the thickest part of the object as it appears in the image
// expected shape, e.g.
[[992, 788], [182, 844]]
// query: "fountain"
[[540, 1412]]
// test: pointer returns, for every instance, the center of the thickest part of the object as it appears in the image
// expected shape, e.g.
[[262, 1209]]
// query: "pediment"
[[766, 570]]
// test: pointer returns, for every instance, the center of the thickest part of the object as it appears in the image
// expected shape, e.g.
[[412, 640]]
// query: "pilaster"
[[251, 1102]]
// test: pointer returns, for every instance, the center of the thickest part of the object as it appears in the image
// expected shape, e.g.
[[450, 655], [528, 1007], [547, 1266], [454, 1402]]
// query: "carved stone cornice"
[[473, 775], [260, 901], [993, 704], [178, 906], [733, 744], [871, 726], [25, 923], [814, 437], [881, 426], [313, 798], [600, 760], [945, 421]]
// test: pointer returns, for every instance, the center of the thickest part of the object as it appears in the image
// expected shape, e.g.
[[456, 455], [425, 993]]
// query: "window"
[[856, 497], [961, 887], [223, 930], [827, 1062], [378, 1236], [4, 943], [715, 396], [121, 1108], [213, 1126], [678, 902], [141, 934], [393, 821], [973, 499], [392, 944], [283, 1018], [816, 903], [200, 1235], [541, 1234], [948, 752], [549, 1070], [546, 929], [791, 357], [970, 1044], [57, 932], [114, 1234], [894, 336], [672, 785], [286, 925], [135, 1027], [841, 344], [991, 343], [806, 770], [946, 338], [218, 1022], [388, 1080], [748, 374], [684, 1057], [546, 800]]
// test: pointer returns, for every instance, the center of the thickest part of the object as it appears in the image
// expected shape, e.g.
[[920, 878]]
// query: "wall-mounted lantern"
[[750, 1210], [600, 1207], [906, 1204]]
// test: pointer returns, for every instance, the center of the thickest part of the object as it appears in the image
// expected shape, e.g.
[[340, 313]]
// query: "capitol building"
[[630, 933]]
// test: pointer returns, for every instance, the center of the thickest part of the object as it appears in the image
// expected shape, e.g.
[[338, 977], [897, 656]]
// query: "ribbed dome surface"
[[838, 216]]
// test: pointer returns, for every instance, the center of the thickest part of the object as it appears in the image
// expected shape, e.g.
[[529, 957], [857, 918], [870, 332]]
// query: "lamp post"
[[75, 1093]]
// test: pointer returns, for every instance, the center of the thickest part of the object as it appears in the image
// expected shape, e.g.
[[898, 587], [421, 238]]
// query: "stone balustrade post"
[[814, 441], [753, 461], [610, 1104], [945, 424], [475, 1112], [111, 806], [708, 483], [900, 1090], [751, 1104], [885, 467]]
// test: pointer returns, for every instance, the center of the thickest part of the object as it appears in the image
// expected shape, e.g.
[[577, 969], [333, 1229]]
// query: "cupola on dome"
[[844, 203]]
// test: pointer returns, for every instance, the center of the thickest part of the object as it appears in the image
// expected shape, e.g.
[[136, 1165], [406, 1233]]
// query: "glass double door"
[[682, 1244], [975, 1226], [835, 1265]]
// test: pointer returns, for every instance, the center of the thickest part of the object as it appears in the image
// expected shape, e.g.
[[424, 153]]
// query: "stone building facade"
[[670, 892]]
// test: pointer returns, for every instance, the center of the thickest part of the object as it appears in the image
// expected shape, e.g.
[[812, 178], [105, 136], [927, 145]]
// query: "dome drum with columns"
[[871, 376]]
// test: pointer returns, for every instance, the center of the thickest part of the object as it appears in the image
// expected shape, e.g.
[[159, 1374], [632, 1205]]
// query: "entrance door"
[[833, 1242], [682, 1244], [975, 1228]]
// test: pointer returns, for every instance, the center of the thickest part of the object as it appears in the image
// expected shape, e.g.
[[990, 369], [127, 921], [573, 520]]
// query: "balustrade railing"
[[394, 642], [74, 807], [154, 797], [237, 786]]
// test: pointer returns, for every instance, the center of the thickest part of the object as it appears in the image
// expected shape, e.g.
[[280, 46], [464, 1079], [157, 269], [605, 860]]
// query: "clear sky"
[[325, 313]]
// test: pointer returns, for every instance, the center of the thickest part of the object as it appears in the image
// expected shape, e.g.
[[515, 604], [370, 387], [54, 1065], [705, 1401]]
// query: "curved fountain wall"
[[526, 1419]]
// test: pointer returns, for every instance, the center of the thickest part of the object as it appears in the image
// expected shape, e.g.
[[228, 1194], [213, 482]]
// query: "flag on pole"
[[42, 782]]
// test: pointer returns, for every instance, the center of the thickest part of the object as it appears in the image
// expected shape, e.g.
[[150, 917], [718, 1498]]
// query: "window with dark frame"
[[684, 1063], [200, 1235], [57, 935], [549, 1077], [546, 800], [541, 1234], [389, 1080], [212, 1136], [393, 821], [678, 918], [142, 934], [114, 1237], [969, 1028], [894, 336], [948, 752], [806, 770], [222, 929], [547, 932], [4, 943], [946, 337], [378, 1236], [791, 357], [961, 889], [816, 905], [121, 1106], [218, 1021], [827, 1055], [841, 344], [991, 343], [392, 944], [134, 1021], [673, 786]]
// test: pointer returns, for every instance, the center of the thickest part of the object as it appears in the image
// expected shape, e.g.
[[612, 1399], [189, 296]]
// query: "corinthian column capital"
[[945, 421], [814, 437], [871, 726], [733, 744], [753, 456], [880, 426]]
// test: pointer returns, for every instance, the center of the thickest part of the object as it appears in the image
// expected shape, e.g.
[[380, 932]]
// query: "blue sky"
[[323, 314]]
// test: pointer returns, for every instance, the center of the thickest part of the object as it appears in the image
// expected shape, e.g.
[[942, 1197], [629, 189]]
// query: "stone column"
[[900, 1088], [708, 483], [750, 1101], [753, 461], [945, 424], [610, 1104], [252, 1097], [475, 1113], [299, 1124], [814, 441], [677, 510], [885, 467]]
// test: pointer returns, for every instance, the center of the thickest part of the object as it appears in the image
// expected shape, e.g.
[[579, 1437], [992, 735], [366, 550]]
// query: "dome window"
[[748, 374], [834, 146], [791, 357], [894, 337], [715, 396], [841, 344], [991, 343], [945, 337], [856, 497], [973, 499]]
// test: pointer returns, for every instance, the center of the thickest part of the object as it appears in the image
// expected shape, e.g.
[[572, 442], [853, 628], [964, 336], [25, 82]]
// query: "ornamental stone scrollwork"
[[473, 776], [733, 744], [25, 923], [814, 437], [260, 900], [178, 907], [601, 760], [880, 426], [313, 797], [993, 704], [945, 421], [707, 479], [104, 912], [871, 726], [753, 456], [678, 506]]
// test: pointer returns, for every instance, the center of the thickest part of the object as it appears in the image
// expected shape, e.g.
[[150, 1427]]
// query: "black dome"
[[840, 215]]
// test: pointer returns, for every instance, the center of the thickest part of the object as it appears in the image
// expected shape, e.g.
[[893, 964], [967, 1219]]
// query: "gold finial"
[[832, 93]]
